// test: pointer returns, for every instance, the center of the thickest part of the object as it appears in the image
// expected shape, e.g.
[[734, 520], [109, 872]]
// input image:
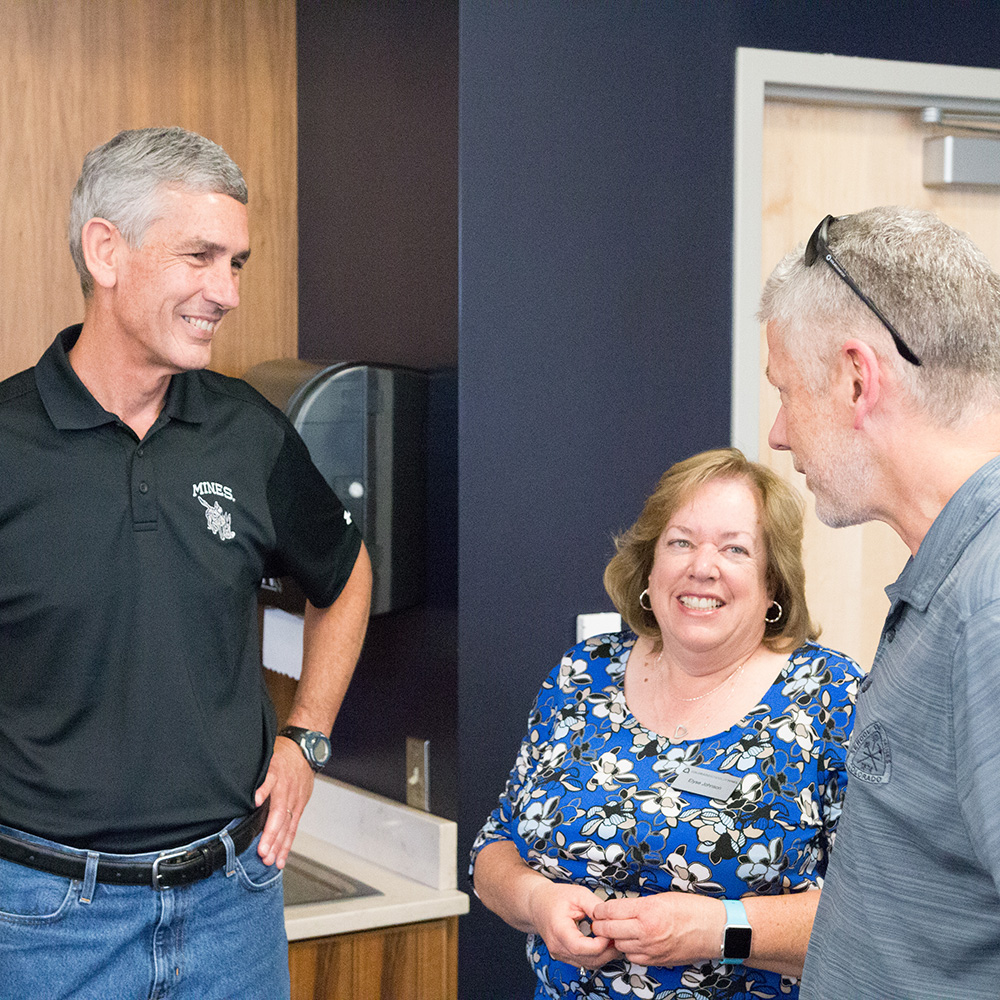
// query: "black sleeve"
[[315, 540]]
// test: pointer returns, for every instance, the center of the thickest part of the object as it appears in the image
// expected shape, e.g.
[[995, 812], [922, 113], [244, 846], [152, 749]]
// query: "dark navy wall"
[[378, 180], [583, 154], [955, 33], [594, 333], [594, 341], [378, 283]]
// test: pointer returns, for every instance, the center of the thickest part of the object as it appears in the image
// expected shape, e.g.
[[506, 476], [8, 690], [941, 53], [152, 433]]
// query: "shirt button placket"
[[143, 500]]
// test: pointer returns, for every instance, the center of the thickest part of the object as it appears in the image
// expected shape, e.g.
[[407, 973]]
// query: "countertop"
[[408, 855]]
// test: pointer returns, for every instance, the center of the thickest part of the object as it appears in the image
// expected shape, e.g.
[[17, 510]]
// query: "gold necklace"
[[680, 730]]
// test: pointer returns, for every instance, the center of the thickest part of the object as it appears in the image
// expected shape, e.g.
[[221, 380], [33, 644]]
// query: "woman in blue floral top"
[[667, 823]]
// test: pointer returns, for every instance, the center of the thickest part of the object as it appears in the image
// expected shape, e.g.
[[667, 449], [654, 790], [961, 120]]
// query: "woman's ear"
[[101, 244]]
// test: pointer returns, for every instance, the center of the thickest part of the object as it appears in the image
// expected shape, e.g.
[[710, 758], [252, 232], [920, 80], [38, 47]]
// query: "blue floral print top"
[[590, 801]]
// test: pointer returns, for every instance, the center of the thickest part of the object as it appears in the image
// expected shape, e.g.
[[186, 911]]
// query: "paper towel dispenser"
[[365, 427]]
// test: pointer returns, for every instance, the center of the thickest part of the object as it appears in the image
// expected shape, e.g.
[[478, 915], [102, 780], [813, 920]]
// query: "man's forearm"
[[332, 641]]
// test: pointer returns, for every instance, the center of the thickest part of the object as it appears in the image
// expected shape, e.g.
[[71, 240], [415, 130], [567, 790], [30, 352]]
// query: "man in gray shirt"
[[884, 343]]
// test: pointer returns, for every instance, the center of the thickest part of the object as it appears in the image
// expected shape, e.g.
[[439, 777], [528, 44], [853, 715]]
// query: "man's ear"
[[865, 376], [102, 244]]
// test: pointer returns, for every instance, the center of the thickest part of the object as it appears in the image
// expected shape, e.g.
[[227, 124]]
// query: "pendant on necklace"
[[679, 733]]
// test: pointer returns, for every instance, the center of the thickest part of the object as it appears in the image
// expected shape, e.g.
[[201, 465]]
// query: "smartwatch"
[[738, 934], [315, 746]]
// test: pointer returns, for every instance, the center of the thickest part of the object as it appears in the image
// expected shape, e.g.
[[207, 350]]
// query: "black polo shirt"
[[133, 714]]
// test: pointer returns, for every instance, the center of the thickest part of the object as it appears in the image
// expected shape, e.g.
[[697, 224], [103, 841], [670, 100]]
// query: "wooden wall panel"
[[75, 72]]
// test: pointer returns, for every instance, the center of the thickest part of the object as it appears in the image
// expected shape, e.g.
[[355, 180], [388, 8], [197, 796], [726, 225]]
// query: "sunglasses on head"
[[817, 248]]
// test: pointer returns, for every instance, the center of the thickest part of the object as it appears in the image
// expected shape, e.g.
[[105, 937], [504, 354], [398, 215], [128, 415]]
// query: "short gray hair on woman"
[[931, 282], [121, 181]]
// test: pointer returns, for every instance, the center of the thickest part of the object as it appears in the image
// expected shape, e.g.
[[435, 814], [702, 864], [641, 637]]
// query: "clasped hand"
[[667, 928], [556, 911]]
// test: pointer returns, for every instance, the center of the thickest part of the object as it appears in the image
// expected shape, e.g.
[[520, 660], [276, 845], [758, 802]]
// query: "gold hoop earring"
[[777, 615], [648, 606]]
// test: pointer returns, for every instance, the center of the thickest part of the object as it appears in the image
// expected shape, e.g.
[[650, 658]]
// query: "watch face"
[[319, 747], [738, 942]]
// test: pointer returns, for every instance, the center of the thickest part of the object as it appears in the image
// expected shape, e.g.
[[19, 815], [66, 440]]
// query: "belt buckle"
[[166, 858]]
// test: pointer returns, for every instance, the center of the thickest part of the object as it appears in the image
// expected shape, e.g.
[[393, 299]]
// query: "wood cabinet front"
[[406, 962]]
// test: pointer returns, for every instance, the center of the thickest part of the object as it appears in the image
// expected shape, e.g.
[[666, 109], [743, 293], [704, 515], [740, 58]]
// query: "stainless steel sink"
[[307, 881]]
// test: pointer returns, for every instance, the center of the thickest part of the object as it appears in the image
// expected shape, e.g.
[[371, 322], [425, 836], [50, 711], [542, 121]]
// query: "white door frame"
[[829, 79]]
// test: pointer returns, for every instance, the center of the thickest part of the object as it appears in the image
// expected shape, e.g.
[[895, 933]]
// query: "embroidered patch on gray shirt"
[[869, 757]]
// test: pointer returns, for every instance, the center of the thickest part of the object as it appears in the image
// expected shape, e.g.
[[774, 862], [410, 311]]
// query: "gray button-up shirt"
[[911, 905]]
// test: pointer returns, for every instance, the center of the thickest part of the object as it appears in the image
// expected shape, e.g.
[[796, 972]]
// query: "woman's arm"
[[683, 928], [535, 904]]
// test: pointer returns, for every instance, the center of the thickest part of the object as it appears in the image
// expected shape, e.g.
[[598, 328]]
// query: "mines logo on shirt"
[[220, 521], [869, 758]]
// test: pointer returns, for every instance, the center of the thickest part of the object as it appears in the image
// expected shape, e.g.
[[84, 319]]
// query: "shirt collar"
[[975, 503], [70, 405]]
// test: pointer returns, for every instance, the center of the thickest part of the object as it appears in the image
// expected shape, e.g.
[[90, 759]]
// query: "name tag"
[[704, 781]]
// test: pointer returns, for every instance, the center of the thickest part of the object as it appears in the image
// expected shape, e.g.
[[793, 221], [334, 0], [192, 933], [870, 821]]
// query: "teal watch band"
[[738, 934]]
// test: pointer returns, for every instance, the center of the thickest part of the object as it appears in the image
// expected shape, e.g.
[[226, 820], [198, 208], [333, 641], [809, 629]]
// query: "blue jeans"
[[219, 939]]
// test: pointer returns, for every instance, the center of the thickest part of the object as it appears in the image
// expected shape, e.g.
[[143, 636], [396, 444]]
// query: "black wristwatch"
[[738, 935], [315, 746]]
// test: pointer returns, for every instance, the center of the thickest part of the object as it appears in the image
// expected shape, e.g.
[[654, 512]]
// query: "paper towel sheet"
[[283, 642]]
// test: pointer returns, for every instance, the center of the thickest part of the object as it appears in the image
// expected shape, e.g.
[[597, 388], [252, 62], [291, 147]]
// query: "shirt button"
[[143, 488], [890, 634], [139, 452]]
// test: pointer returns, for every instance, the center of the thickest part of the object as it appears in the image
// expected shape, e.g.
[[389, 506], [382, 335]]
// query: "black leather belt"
[[170, 869]]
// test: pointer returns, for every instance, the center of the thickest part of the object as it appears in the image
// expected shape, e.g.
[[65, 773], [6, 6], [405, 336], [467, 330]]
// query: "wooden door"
[[820, 160]]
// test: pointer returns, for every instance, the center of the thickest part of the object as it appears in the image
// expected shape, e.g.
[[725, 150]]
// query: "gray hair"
[[121, 181], [931, 282]]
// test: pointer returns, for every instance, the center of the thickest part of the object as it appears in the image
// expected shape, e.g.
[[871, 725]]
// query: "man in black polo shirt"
[[147, 803]]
